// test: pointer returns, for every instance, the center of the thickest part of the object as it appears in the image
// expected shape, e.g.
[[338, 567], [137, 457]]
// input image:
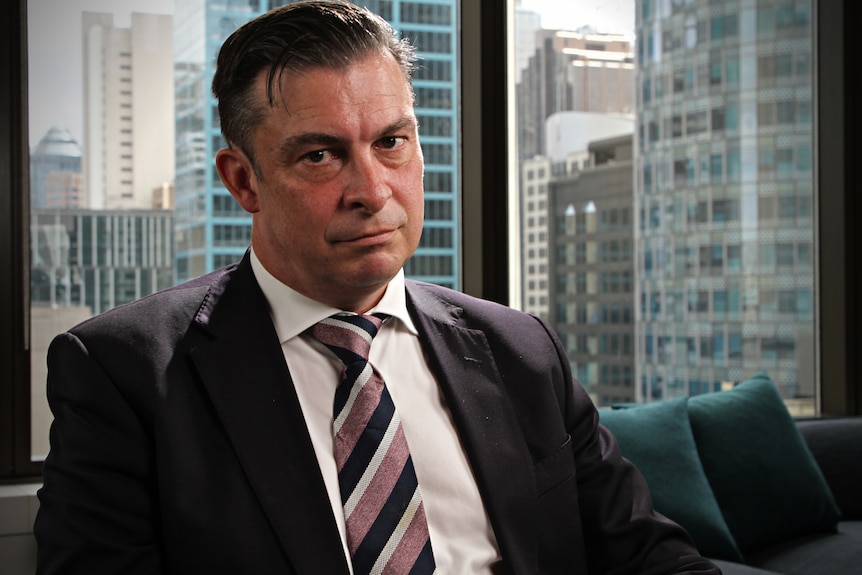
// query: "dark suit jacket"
[[178, 444]]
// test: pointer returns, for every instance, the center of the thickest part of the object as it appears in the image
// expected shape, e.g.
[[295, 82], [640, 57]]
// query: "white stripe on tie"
[[372, 468], [397, 534]]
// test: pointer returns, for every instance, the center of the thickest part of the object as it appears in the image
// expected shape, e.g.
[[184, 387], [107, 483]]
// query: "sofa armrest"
[[836, 444]]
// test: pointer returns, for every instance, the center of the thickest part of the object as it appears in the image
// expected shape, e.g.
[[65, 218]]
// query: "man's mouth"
[[371, 237]]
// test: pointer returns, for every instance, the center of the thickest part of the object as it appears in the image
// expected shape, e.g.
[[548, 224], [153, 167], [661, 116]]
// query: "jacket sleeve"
[[622, 531], [98, 510]]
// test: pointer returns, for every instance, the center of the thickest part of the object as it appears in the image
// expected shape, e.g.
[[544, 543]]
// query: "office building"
[[591, 271], [572, 72], [98, 259], [128, 109], [568, 136], [724, 195], [577, 87], [84, 262], [212, 230], [55, 171], [527, 23]]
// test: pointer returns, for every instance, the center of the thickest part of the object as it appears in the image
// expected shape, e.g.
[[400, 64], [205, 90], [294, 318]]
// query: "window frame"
[[15, 459], [837, 145], [486, 116], [489, 271]]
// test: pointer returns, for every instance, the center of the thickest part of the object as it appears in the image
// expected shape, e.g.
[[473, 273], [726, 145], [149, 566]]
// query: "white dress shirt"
[[461, 534]]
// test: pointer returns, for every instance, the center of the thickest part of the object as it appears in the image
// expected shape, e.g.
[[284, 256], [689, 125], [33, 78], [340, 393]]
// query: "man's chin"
[[374, 271]]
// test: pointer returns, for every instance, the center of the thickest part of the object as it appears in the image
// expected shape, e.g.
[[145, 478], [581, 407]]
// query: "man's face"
[[338, 203]]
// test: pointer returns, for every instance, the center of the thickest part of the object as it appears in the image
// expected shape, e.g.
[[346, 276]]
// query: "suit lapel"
[[244, 372], [467, 373]]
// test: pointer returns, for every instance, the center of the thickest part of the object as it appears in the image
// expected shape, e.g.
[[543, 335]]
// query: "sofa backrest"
[[836, 444]]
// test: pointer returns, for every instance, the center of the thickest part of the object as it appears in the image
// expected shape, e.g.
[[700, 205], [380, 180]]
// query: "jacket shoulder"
[[161, 309], [470, 309]]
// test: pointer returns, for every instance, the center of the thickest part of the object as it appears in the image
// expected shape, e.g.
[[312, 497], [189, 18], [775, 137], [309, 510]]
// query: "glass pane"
[[681, 131], [123, 131], [101, 166]]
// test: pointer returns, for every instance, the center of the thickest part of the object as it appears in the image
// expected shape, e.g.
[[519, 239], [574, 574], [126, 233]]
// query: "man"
[[193, 429]]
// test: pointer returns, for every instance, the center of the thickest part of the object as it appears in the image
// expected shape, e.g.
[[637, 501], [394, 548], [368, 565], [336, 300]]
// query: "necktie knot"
[[348, 335]]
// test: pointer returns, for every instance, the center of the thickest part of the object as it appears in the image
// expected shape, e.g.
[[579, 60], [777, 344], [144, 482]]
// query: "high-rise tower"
[[724, 195], [577, 88], [128, 109], [55, 171]]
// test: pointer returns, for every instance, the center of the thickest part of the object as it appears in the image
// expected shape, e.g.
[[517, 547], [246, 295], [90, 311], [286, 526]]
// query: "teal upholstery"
[[731, 467], [766, 481], [656, 437]]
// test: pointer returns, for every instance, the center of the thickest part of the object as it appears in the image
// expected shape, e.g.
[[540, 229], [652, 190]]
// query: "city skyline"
[[55, 53], [56, 58]]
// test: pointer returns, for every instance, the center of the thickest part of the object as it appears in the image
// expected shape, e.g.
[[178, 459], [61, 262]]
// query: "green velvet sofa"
[[759, 491]]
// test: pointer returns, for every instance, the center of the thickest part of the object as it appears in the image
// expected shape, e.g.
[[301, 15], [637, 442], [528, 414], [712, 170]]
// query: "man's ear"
[[237, 175]]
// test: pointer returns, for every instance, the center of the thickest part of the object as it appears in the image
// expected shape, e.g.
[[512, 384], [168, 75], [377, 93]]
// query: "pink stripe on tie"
[[401, 534], [341, 337], [354, 426], [373, 500]]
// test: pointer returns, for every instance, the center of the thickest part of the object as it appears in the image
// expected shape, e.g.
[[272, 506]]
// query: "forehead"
[[356, 101]]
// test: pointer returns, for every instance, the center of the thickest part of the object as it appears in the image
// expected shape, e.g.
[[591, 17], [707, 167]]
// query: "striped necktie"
[[386, 528]]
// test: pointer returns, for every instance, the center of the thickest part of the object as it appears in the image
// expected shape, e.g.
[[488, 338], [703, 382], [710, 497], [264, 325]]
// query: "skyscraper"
[[98, 259], [572, 72], [527, 23], [724, 191], [577, 87], [84, 262], [128, 104], [212, 230], [569, 136], [591, 271], [55, 171]]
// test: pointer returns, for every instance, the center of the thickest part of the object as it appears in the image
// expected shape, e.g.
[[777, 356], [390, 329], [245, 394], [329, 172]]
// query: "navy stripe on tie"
[[425, 562], [342, 392], [366, 446], [387, 519], [393, 485]]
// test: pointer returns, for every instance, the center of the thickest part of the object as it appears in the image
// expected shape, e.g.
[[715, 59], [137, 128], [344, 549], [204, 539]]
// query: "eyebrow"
[[306, 139]]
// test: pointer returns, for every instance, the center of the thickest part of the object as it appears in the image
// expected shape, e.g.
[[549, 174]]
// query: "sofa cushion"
[[764, 478], [656, 437]]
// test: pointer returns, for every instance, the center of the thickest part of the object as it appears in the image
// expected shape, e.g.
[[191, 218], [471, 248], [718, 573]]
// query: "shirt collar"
[[293, 313]]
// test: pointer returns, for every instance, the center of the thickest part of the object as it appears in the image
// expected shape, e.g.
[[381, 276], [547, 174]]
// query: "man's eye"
[[316, 156], [390, 141]]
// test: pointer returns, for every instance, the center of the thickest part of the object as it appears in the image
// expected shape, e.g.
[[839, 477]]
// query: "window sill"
[[18, 506]]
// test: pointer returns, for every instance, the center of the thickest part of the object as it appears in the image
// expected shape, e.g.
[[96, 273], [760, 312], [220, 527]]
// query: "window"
[[723, 165], [114, 232], [487, 270]]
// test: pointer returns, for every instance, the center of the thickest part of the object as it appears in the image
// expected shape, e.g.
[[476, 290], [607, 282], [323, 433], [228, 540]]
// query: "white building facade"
[[128, 109]]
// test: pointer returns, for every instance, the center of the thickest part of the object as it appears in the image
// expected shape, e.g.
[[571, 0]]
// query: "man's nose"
[[367, 186]]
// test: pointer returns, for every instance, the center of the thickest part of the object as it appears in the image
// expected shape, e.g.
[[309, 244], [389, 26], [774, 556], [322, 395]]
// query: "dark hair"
[[295, 37]]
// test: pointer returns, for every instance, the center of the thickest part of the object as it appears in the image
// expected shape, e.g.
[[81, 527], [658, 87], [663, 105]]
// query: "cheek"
[[303, 206], [289, 218], [411, 186], [415, 203]]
